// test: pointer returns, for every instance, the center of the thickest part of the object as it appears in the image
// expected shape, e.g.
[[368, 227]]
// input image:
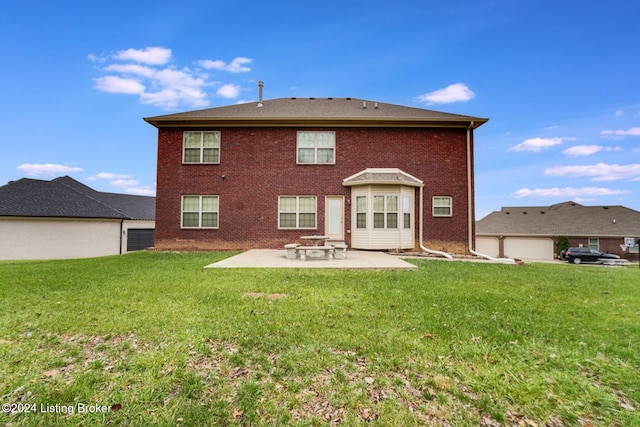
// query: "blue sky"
[[559, 81]]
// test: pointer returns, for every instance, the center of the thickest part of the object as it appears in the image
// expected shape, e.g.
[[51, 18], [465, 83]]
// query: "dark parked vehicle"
[[578, 255]]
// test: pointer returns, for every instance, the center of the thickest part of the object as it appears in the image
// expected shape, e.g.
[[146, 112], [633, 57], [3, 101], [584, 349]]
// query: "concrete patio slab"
[[275, 258]]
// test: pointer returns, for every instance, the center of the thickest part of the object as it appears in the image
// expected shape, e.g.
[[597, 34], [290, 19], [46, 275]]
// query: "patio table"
[[314, 239]]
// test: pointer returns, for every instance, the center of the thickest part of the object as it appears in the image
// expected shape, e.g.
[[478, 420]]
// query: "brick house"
[[533, 232], [263, 174]]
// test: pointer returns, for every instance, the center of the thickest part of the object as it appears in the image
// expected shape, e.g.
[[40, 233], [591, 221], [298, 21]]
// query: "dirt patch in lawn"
[[261, 294]]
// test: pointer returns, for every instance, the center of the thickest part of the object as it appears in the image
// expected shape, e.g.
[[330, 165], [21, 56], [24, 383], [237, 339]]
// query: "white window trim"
[[315, 151], [433, 206], [385, 212], [297, 212], [365, 212], [408, 210], [201, 162], [369, 212], [199, 212], [597, 242]]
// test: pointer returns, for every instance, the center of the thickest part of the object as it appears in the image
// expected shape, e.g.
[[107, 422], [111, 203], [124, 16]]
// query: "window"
[[593, 243], [316, 147], [406, 212], [361, 212], [297, 212], [199, 211], [442, 206], [385, 211], [201, 147]]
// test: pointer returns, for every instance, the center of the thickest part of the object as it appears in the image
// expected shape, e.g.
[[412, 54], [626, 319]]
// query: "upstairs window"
[[200, 211], [297, 212], [201, 147], [315, 147], [442, 206]]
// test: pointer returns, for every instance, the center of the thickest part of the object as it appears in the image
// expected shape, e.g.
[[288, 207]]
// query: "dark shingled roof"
[[330, 111], [66, 197], [562, 219]]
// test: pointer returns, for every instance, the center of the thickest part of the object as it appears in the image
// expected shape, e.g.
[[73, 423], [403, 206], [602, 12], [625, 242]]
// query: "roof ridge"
[[102, 202], [323, 110]]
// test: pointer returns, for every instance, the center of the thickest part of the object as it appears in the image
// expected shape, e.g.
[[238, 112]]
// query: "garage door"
[[488, 246], [528, 248], [138, 239]]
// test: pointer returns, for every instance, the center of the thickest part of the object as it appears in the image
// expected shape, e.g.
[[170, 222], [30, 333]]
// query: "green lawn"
[[153, 338]]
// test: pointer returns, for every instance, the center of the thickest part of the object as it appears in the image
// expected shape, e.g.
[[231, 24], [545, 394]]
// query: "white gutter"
[[470, 206], [429, 251]]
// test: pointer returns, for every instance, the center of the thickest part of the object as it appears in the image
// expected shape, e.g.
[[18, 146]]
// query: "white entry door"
[[334, 217]]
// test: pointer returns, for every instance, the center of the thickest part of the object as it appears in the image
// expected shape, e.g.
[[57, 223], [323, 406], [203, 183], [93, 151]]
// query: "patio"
[[276, 258]]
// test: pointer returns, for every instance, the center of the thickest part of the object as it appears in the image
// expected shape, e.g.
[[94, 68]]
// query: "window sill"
[[199, 228], [200, 163]]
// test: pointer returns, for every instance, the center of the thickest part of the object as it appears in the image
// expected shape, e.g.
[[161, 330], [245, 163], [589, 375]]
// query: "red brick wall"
[[259, 164]]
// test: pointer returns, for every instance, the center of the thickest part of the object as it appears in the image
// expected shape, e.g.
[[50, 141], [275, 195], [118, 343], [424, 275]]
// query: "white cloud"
[[135, 69], [176, 87], [124, 183], [141, 191], [458, 92], [599, 172], [567, 192], [150, 55], [149, 74], [107, 175], [115, 84], [587, 150], [537, 144], [236, 66], [173, 97], [229, 91], [635, 131], [32, 169], [95, 58]]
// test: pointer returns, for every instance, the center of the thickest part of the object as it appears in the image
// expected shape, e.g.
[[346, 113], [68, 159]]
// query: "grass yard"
[[152, 338]]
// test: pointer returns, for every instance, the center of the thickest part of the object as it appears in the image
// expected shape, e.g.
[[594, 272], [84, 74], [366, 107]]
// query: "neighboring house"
[[263, 174], [533, 232], [64, 218]]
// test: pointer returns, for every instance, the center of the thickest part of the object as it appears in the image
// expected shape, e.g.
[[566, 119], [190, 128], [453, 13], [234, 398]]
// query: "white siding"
[[29, 238], [372, 238]]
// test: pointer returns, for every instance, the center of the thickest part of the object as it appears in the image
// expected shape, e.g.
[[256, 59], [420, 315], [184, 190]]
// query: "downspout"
[[429, 251], [121, 234], [470, 206]]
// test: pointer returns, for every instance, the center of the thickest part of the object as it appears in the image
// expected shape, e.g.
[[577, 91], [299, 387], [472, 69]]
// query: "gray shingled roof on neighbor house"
[[562, 219], [66, 197], [332, 111]]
